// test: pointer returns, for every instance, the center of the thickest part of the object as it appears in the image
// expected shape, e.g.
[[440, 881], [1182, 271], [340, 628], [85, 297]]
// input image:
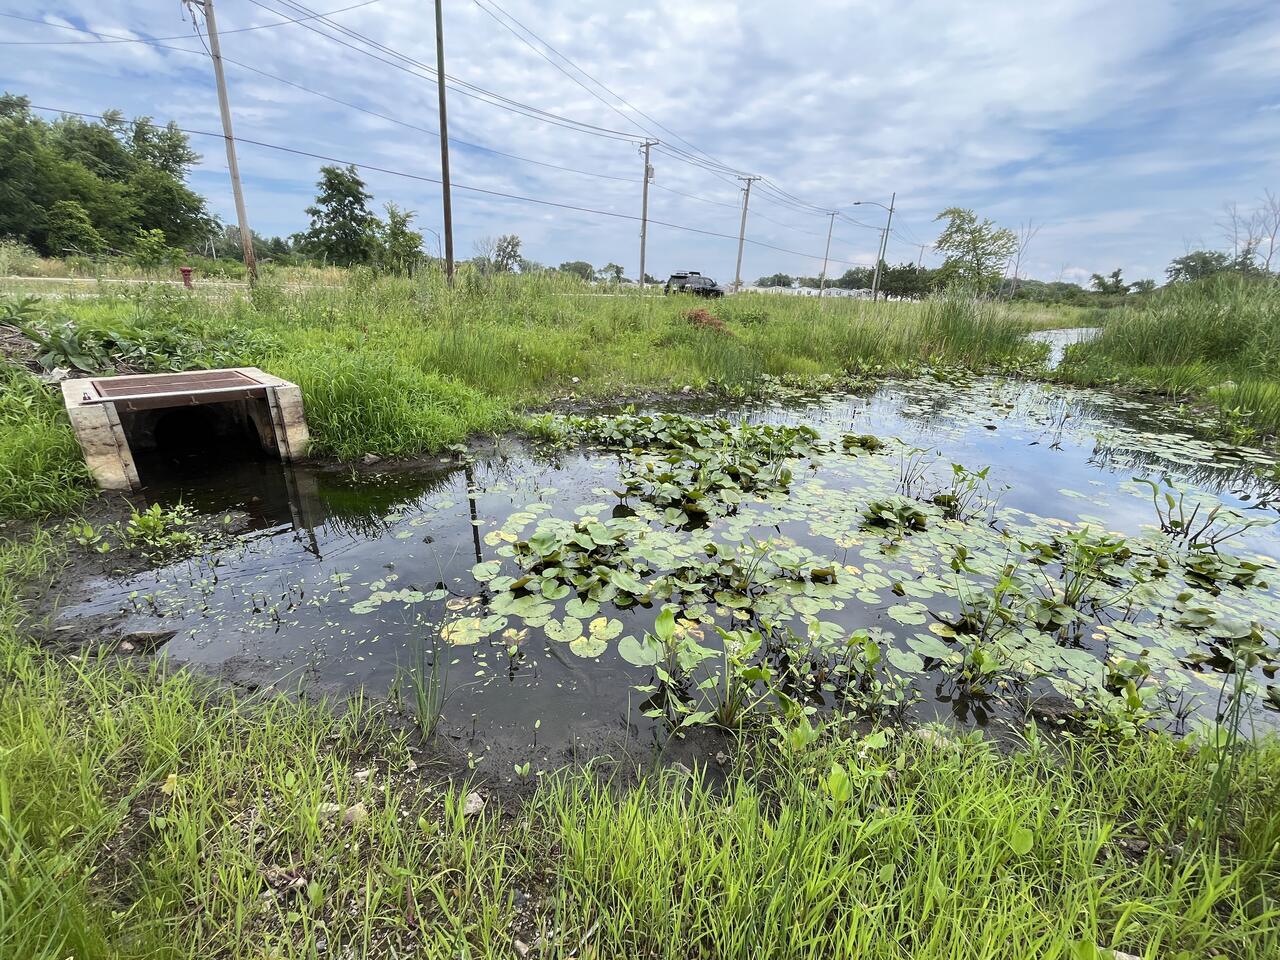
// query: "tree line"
[[69, 187]]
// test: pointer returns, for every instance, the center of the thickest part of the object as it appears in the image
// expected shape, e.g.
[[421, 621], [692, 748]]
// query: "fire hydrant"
[[186, 277]]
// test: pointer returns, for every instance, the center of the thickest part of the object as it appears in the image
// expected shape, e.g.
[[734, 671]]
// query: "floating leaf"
[[589, 646], [911, 614], [564, 631]]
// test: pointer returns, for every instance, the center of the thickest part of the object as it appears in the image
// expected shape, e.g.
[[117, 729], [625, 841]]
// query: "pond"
[[1000, 546]]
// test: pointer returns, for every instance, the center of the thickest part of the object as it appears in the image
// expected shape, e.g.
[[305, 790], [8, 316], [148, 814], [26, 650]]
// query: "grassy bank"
[[397, 367], [1216, 340], [149, 815]]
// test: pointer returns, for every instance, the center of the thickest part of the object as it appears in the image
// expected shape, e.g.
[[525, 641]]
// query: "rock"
[[147, 640], [934, 738], [369, 459], [473, 805], [521, 948], [127, 647], [363, 774], [355, 815], [686, 389], [575, 380]]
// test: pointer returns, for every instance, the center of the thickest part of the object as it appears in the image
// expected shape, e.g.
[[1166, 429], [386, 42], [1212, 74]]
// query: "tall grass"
[[1218, 340], [142, 815], [41, 470], [145, 813]]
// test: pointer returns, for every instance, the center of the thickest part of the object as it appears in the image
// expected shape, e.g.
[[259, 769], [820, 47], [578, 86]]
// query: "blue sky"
[[1121, 129]]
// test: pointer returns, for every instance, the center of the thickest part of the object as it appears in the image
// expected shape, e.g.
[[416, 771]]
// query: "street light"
[[884, 238]]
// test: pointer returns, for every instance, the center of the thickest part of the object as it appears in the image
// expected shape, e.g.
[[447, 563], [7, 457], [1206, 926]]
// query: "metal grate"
[[174, 389]]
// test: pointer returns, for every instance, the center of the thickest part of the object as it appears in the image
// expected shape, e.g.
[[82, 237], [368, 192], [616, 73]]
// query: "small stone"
[[369, 459], [355, 815], [686, 389], [575, 380], [473, 805], [127, 647], [934, 738], [328, 811], [363, 774], [522, 948]]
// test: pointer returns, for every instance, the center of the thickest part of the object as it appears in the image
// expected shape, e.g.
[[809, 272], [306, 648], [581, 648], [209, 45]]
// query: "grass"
[[398, 367], [147, 814], [1216, 340], [41, 470]]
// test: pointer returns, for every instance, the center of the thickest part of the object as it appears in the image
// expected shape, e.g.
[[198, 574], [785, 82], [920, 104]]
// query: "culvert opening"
[[198, 439]]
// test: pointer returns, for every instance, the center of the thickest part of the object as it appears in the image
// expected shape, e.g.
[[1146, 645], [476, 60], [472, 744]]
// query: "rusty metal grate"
[[174, 389]]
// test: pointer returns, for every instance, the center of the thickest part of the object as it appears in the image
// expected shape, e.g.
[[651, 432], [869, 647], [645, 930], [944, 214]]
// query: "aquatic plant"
[[1191, 524]]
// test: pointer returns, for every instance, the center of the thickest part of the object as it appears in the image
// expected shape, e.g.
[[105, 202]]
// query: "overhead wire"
[[374, 113], [459, 186], [109, 38], [462, 87]]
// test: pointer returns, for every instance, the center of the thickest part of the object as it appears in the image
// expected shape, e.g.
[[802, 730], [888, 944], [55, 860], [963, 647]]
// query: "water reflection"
[[342, 578]]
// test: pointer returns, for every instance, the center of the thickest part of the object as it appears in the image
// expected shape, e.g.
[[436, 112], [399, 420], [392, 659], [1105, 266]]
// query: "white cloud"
[[1121, 127]]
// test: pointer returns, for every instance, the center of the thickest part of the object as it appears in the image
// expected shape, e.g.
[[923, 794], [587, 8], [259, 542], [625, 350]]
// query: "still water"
[[345, 580]]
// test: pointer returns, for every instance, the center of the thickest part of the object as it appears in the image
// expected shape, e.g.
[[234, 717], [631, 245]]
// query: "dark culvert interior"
[[194, 440]]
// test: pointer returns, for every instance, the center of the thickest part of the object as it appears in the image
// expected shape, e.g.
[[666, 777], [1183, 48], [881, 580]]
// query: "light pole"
[[884, 239]]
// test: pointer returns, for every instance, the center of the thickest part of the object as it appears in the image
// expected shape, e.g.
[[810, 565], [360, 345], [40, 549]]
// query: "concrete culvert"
[[200, 419]]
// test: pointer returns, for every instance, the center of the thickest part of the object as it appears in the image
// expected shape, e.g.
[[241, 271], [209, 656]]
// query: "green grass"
[[1217, 341], [397, 367], [148, 815], [41, 470]]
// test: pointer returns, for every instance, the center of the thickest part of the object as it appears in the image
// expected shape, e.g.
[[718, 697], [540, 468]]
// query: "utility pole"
[[920, 259], [884, 246], [444, 147], [742, 232], [644, 206], [215, 54], [822, 284]]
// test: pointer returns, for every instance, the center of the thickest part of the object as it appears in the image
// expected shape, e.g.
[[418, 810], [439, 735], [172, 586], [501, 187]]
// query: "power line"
[[436, 180], [463, 87], [109, 38], [155, 42], [603, 86]]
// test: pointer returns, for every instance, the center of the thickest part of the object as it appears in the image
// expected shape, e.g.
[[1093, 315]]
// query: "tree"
[[855, 278], [1142, 286], [1026, 233], [610, 273], [506, 255], [343, 231], [579, 268], [125, 178], [401, 247], [1110, 284], [977, 251], [70, 230], [907, 281], [1197, 265], [775, 280]]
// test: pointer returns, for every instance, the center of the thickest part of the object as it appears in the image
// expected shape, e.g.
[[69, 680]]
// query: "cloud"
[[1120, 127]]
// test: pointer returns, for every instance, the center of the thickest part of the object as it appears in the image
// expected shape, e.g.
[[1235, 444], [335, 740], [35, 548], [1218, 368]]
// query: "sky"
[[1119, 130]]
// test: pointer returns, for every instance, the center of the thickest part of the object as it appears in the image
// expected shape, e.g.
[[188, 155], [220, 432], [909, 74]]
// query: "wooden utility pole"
[[215, 54], [884, 246], [822, 283], [644, 207], [742, 232], [444, 147], [920, 259]]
